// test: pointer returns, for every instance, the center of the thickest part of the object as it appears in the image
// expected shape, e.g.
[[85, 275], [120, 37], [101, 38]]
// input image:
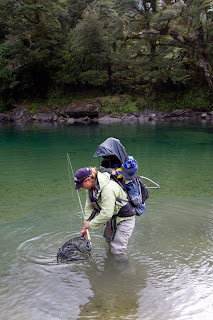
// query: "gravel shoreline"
[[91, 113]]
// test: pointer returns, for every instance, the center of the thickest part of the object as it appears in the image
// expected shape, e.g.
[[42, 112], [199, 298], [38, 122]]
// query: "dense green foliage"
[[133, 47]]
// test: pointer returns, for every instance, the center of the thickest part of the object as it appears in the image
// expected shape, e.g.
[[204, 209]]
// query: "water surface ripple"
[[168, 274]]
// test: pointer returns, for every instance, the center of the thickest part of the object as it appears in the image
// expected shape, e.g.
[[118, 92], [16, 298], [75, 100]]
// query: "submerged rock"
[[44, 117], [70, 121], [203, 115], [109, 119]]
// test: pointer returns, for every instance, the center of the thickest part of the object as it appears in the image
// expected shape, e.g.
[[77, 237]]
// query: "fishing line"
[[70, 178]]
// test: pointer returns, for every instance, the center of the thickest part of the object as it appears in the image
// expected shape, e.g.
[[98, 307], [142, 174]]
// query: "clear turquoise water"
[[169, 272]]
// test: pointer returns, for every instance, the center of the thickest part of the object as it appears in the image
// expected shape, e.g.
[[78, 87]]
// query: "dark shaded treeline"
[[50, 48]]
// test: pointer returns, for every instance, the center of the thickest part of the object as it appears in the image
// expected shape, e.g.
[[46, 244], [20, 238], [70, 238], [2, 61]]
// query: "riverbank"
[[90, 111]]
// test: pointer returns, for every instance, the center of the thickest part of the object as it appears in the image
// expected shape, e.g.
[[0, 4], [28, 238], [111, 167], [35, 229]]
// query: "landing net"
[[74, 249]]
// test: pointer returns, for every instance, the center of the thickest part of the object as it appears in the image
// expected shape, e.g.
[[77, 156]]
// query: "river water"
[[169, 270]]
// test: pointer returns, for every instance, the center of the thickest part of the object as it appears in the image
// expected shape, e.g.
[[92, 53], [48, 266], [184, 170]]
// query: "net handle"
[[88, 236]]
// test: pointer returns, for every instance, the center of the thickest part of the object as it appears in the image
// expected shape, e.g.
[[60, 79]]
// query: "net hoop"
[[75, 249]]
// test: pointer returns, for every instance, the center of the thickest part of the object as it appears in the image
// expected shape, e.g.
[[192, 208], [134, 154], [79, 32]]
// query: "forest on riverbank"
[[134, 52]]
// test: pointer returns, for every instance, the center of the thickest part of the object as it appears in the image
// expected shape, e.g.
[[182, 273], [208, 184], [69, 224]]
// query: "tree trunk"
[[202, 56], [199, 50], [205, 66], [151, 88]]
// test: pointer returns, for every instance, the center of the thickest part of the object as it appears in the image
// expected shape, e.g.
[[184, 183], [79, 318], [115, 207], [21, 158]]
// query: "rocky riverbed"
[[90, 112]]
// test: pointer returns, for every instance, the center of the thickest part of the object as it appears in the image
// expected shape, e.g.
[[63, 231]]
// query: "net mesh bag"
[[74, 249]]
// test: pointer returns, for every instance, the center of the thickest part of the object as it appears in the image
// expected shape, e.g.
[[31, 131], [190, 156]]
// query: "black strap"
[[113, 227], [95, 206]]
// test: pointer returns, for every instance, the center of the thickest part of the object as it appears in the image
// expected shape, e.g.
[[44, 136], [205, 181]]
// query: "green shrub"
[[199, 99], [119, 104], [53, 99]]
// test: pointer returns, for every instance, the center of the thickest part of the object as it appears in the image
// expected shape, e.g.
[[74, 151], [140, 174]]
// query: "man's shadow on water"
[[115, 286]]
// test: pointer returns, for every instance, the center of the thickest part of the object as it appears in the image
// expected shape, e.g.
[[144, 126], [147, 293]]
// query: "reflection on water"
[[168, 274]]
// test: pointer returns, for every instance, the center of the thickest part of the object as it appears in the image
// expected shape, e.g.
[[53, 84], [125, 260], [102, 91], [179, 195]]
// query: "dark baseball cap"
[[80, 176]]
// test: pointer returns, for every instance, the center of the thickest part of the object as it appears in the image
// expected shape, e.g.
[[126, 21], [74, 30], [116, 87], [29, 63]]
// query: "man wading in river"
[[106, 204]]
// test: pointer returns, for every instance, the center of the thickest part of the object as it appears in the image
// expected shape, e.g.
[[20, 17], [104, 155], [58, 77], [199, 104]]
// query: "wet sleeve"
[[108, 199]]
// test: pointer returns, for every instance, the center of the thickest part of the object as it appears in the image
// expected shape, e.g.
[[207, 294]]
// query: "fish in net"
[[78, 248]]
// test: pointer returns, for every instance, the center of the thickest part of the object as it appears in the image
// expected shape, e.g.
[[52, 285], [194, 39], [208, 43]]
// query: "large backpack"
[[136, 193], [115, 156]]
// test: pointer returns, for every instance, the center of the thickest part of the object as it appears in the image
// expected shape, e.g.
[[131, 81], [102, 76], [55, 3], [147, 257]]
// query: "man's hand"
[[86, 224], [83, 233]]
